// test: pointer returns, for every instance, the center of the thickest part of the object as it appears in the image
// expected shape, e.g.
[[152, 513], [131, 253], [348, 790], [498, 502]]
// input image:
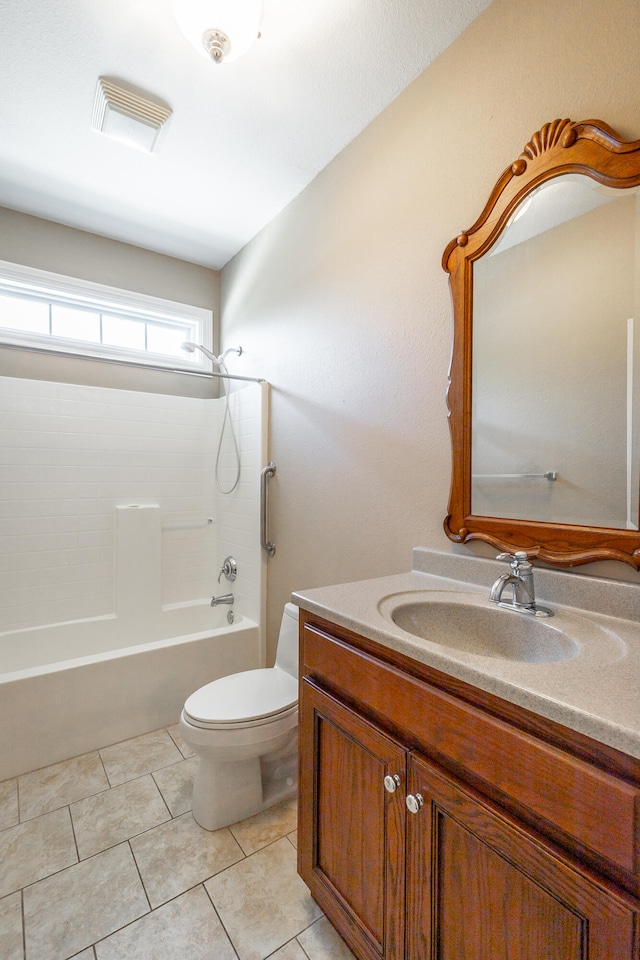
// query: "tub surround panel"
[[238, 513], [75, 456], [139, 567]]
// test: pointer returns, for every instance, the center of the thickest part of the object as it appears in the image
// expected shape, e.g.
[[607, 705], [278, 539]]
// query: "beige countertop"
[[596, 691]]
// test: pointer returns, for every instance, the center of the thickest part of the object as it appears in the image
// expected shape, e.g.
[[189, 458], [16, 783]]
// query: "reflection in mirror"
[[555, 418]]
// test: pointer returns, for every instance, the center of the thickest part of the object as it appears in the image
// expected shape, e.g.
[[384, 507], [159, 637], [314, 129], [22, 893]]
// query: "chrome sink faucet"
[[520, 580]]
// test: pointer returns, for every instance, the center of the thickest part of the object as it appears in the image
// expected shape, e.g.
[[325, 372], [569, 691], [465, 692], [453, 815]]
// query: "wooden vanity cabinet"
[[477, 872]]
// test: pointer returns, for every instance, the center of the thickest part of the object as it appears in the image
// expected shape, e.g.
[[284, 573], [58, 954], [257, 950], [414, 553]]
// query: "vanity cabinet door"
[[351, 829], [480, 887]]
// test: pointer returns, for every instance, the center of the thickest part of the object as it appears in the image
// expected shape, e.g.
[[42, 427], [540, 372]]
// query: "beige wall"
[[341, 302], [51, 246]]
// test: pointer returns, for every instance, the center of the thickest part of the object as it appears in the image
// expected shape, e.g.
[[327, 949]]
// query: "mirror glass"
[[555, 409]]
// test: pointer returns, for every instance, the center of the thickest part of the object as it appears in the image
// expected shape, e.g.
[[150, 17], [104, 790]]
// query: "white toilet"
[[244, 729]]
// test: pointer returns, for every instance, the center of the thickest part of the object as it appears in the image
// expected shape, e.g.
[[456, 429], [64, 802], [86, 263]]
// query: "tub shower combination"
[[115, 537]]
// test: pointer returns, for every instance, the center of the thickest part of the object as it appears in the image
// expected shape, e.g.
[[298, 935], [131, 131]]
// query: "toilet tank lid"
[[243, 697]]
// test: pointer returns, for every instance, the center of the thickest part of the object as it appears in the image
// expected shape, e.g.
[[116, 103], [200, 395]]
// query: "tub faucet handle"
[[229, 568]]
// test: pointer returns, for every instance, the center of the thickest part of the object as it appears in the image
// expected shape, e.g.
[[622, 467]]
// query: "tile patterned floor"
[[101, 860]]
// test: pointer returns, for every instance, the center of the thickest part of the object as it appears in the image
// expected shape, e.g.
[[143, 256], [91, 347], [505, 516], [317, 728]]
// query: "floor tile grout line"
[[177, 744], [111, 846], [97, 751], [70, 866], [151, 909], [171, 817], [159, 789], [222, 923], [247, 856], [90, 796], [160, 906], [76, 756], [288, 942], [129, 923], [300, 945], [18, 799], [104, 769], [24, 928], [73, 830], [134, 836], [322, 916], [153, 769], [63, 804]]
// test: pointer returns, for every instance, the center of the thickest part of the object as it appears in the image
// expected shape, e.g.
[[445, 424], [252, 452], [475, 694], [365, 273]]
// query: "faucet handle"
[[229, 568], [519, 560]]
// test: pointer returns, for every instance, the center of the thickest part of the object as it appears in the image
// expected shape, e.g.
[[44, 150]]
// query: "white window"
[[47, 311]]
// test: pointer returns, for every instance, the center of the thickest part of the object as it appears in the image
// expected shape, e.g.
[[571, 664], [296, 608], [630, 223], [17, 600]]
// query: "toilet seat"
[[248, 699]]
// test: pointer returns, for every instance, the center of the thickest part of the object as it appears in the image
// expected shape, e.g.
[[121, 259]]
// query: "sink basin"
[[468, 623]]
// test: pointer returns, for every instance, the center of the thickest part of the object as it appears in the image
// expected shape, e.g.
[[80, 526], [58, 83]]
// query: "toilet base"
[[225, 792]]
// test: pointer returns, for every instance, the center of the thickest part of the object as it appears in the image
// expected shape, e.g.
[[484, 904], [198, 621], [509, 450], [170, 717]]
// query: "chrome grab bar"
[[266, 472], [547, 475]]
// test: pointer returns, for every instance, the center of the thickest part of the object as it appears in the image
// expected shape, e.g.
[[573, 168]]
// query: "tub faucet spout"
[[225, 598]]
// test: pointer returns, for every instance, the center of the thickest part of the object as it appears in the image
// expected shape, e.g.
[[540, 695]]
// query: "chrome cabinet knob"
[[414, 802], [391, 783]]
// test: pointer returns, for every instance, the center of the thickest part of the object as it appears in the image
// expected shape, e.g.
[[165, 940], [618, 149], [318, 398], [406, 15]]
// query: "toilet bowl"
[[244, 730]]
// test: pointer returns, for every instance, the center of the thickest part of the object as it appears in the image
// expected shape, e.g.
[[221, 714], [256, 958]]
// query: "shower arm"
[[190, 347]]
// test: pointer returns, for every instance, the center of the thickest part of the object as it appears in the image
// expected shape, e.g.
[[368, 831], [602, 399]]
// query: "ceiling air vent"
[[128, 117]]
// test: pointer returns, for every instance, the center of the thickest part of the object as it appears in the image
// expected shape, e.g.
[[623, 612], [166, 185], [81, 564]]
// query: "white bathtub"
[[69, 688]]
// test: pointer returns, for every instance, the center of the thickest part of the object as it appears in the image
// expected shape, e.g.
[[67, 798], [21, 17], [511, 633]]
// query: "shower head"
[[192, 347]]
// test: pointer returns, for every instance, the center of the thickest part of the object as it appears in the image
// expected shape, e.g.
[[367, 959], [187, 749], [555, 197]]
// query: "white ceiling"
[[244, 138]]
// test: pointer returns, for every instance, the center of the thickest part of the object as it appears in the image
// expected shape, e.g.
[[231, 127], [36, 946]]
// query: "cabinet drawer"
[[589, 805]]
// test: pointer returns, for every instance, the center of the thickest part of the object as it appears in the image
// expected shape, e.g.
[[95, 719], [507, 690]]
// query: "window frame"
[[35, 284]]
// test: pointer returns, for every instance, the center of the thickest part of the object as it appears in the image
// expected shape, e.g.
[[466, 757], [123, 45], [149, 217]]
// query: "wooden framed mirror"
[[544, 384]]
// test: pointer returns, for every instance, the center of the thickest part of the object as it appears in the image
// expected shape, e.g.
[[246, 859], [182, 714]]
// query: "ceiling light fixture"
[[221, 30]]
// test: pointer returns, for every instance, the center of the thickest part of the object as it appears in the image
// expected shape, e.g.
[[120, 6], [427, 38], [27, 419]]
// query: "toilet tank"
[[287, 652]]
